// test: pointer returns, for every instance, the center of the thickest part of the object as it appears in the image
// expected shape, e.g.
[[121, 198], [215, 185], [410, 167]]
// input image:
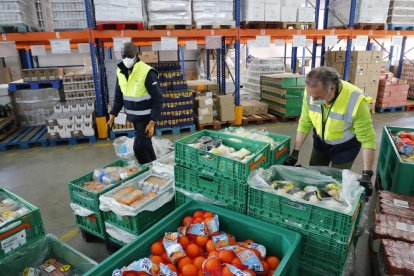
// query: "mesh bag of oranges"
[[198, 247]]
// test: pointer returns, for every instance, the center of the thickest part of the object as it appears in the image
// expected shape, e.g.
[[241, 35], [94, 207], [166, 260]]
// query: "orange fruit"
[[201, 240], [210, 246], [191, 237], [198, 262], [237, 263], [189, 270], [199, 220], [200, 273], [208, 215], [157, 248], [192, 250], [198, 214], [265, 268], [212, 264], [201, 249], [232, 240], [184, 241], [249, 241], [226, 256], [156, 259], [270, 272], [172, 267], [251, 272], [183, 261], [213, 253], [227, 272], [187, 220], [164, 256], [273, 262]]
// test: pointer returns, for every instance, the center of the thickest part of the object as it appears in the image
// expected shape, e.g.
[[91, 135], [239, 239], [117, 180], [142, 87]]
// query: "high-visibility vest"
[[133, 88], [338, 126]]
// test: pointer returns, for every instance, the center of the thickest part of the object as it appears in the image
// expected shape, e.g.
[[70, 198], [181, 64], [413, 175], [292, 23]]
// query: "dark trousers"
[[321, 159], [144, 152]]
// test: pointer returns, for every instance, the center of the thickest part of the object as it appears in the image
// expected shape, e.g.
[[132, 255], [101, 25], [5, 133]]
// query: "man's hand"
[[149, 130], [111, 121], [366, 182], [292, 159]]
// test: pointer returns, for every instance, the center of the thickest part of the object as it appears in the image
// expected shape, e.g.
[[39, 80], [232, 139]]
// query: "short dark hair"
[[326, 75]]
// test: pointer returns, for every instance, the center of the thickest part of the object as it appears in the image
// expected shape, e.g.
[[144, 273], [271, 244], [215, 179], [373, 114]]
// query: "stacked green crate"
[[283, 93], [214, 178]]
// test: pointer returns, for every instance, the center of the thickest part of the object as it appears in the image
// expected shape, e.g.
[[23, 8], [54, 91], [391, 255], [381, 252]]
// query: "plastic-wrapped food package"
[[393, 227], [211, 12], [161, 146], [124, 147], [10, 209], [165, 12], [15, 12], [259, 135], [398, 257], [165, 164], [395, 204]]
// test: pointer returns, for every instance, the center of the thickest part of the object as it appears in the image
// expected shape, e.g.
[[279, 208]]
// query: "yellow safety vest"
[[338, 127], [133, 88]]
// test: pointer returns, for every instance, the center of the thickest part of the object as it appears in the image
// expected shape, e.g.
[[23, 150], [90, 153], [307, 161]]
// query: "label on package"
[[143, 265], [166, 271], [401, 203], [213, 225], [198, 229], [208, 101], [13, 242], [50, 268], [221, 241], [174, 250], [258, 247], [237, 271], [248, 258], [405, 227]]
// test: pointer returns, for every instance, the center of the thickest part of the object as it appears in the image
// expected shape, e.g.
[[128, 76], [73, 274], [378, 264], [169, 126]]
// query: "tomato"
[[404, 134]]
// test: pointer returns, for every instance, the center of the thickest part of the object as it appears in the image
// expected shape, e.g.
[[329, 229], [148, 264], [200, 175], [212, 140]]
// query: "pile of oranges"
[[202, 257]]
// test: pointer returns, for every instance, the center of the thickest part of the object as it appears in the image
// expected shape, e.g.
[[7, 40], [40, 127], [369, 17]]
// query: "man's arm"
[[153, 86], [368, 155], [300, 139], [118, 100]]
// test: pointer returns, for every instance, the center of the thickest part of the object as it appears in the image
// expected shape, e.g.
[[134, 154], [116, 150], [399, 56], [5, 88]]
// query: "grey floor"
[[40, 175]]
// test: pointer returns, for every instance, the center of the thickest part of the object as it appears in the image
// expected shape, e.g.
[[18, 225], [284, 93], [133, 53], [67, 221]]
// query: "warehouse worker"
[[138, 90], [339, 115]]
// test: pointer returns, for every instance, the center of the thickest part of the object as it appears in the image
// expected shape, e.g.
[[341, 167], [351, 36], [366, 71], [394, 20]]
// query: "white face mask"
[[128, 62], [318, 102]]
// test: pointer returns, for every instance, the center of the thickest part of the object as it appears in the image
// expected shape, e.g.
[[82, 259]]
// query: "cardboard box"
[[288, 14], [253, 11], [306, 14], [148, 57], [204, 101], [203, 85], [5, 75], [225, 100], [247, 107], [226, 113], [372, 81], [65, 108], [361, 56], [208, 119], [58, 108], [358, 69], [191, 75], [374, 69], [88, 116], [260, 108], [330, 58], [376, 57], [357, 80], [203, 111], [371, 91], [272, 12], [340, 56], [339, 67]]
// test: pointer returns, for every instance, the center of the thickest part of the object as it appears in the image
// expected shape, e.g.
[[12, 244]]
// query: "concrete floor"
[[40, 175]]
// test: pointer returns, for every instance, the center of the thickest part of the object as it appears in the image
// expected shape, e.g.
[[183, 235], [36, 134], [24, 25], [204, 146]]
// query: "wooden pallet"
[[365, 26], [401, 27], [390, 109], [409, 106], [200, 26], [174, 130], [72, 141], [215, 125], [14, 86], [298, 25], [277, 25], [258, 119], [139, 25], [26, 137], [122, 132], [170, 27], [7, 127]]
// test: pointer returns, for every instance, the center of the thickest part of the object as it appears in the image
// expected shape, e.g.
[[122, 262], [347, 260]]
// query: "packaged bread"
[[128, 195], [398, 257], [139, 202], [111, 178], [156, 180], [128, 171], [94, 186], [393, 227]]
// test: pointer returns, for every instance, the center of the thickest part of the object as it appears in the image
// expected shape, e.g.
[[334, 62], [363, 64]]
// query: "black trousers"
[[143, 150]]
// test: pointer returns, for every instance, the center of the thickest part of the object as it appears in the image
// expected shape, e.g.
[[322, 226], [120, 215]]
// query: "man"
[[339, 115], [138, 90]]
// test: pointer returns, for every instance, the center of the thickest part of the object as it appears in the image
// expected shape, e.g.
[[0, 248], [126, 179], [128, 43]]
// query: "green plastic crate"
[[89, 199], [288, 112], [215, 165], [278, 241], [231, 193], [394, 174], [115, 240], [318, 220], [180, 199], [279, 154], [36, 253], [93, 224], [140, 223], [20, 232]]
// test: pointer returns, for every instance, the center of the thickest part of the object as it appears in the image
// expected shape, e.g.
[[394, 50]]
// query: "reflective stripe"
[[347, 136], [138, 112], [137, 99], [336, 116]]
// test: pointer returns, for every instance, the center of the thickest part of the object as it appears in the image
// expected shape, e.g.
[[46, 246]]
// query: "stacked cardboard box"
[[42, 74], [254, 107], [72, 120], [401, 12], [283, 93], [213, 12], [118, 11], [19, 13], [367, 11], [78, 86], [225, 108], [205, 108], [44, 15], [161, 12], [392, 91], [68, 14], [408, 75], [364, 71]]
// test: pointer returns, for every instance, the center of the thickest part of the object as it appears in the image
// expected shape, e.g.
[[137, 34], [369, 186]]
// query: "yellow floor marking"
[[69, 235]]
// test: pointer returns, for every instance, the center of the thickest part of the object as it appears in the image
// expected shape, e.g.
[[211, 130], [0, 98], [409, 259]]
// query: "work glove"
[[292, 159], [366, 182], [111, 121], [149, 130]]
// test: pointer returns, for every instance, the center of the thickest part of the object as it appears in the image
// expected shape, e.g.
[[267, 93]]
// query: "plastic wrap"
[[164, 164], [395, 204], [210, 12], [10, 209], [258, 135], [161, 146], [350, 262], [35, 255], [165, 12], [80, 211], [393, 227], [108, 203], [318, 177], [124, 147], [362, 227], [398, 257], [200, 197], [119, 234]]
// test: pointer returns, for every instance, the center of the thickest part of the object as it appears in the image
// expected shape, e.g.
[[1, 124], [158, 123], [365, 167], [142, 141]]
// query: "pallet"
[[409, 106], [170, 27], [277, 25], [101, 26], [17, 28], [200, 26], [215, 125], [390, 109], [118, 133], [174, 130], [72, 141], [258, 119], [7, 127], [365, 26], [298, 25], [401, 27], [14, 86], [284, 118], [26, 137]]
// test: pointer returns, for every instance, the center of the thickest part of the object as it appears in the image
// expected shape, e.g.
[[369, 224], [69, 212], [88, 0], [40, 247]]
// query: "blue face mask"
[[318, 102]]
